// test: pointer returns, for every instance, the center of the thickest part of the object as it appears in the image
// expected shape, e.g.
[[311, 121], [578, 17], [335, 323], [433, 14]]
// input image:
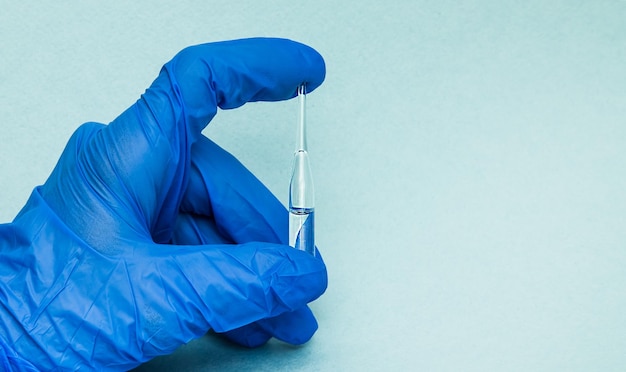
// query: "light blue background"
[[469, 159]]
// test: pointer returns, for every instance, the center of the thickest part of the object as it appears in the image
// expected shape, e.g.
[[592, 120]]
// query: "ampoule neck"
[[301, 143]]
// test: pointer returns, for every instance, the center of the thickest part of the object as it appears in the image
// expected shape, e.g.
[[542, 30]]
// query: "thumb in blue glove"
[[147, 234]]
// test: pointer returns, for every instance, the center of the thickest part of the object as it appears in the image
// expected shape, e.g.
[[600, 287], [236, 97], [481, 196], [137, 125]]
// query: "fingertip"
[[295, 328], [284, 52], [316, 66], [266, 69]]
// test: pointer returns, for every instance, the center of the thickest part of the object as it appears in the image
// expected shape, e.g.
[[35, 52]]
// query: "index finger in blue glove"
[[236, 72], [148, 146]]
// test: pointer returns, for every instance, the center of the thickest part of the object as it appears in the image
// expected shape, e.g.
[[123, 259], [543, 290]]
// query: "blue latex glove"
[[147, 234]]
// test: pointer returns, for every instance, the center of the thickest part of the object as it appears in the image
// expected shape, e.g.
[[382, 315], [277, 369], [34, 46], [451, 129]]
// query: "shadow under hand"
[[212, 352]]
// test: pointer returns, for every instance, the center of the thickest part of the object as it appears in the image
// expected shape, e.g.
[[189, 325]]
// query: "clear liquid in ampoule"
[[301, 229]]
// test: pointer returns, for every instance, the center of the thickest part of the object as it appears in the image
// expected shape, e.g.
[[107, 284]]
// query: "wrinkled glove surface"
[[147, 234]]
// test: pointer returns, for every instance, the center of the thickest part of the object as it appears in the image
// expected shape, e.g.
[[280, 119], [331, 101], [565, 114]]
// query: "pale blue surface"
[[469, 160]]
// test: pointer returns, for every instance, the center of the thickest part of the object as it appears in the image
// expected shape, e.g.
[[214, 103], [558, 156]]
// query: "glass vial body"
[[301, 193]]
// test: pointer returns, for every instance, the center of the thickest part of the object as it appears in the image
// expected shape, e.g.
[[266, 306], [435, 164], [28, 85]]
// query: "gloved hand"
[[147, 234]]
